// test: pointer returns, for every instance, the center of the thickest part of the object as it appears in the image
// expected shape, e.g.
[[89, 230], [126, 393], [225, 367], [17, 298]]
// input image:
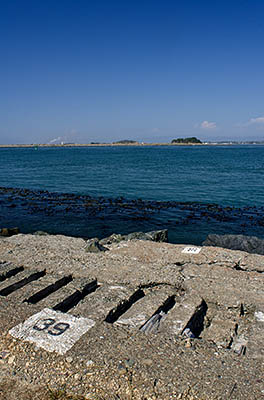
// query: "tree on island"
[[192, 140], [125, 142]]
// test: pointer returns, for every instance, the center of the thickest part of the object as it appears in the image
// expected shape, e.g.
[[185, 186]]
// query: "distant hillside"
[[192, 140]]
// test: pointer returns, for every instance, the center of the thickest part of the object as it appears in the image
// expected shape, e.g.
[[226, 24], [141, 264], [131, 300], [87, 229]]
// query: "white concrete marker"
[[52, 330], [191, 250]]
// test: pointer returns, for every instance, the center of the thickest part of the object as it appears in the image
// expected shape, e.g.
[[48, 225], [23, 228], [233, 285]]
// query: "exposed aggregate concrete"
[[118, 360]]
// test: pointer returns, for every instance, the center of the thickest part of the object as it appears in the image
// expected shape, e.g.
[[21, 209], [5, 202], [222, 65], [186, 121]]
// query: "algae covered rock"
[[114, 238], [94, 246], [155, 236], [9, 231], [41, 233]]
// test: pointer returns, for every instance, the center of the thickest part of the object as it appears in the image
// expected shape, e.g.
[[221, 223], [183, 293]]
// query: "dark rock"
[[93, 246], [136, 235], [9, 231], [159, 236], [155, 236], [250, 244], [114, 238], [41, 233]]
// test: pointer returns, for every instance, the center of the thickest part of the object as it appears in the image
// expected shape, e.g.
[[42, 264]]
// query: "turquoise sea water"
[[191, 190]]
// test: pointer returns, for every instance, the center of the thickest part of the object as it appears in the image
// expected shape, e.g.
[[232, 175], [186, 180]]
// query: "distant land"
[[193, 141], [188, 140]]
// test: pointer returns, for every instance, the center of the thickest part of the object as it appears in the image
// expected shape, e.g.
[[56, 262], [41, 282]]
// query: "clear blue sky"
[[146, 70]]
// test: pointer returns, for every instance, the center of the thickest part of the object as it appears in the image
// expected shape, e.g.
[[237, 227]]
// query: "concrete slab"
[[216, 294]]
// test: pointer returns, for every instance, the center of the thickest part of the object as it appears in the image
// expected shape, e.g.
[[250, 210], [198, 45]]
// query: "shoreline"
[[137, 144], [89, 216], [100, 145]]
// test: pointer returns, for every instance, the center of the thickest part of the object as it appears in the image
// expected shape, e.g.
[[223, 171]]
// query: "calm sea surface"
[[88, 191]]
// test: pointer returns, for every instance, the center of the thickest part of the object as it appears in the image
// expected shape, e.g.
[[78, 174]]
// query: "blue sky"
[[83, 71]]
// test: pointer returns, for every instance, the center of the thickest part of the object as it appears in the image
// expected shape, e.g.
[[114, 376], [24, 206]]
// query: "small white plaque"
[[52, 330], [191, 250]]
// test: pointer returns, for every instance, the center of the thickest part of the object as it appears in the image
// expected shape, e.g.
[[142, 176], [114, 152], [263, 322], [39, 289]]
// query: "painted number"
[[56, 329], [192, 250], [59, 329]]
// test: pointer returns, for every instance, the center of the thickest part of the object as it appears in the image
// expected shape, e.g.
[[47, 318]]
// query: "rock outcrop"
[[250, 244], [94, 246], [9, 231], [154, 236]]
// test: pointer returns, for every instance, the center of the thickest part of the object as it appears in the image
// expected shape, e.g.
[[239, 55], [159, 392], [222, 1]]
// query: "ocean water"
[[95, 191]]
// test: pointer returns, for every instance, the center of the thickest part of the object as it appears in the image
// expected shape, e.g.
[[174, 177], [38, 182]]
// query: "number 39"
[[56, 329]]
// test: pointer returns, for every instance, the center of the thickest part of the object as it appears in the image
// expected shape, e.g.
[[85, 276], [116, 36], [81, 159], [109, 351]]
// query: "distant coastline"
[[135, 144]]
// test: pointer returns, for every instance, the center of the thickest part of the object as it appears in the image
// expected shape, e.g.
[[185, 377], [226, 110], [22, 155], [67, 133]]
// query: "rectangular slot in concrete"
[[72, 300], [153, 323], [18, 285], [116, 313], [41, 294], [195, 325], [9, 273]]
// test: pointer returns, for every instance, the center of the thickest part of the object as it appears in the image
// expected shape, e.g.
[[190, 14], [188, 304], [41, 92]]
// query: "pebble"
[[129, 363], [89, 363], [69, 360], [122, 335], [188, 343], [4, 354], [11, 360], [121, 369], [147, 361], [90, 396]]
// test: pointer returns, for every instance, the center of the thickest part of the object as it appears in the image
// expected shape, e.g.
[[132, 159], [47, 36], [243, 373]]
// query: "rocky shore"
[[85, 216], [140, 320]]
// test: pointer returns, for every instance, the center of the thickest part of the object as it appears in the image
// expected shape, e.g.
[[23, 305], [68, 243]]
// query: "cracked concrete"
[[203, 314]]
